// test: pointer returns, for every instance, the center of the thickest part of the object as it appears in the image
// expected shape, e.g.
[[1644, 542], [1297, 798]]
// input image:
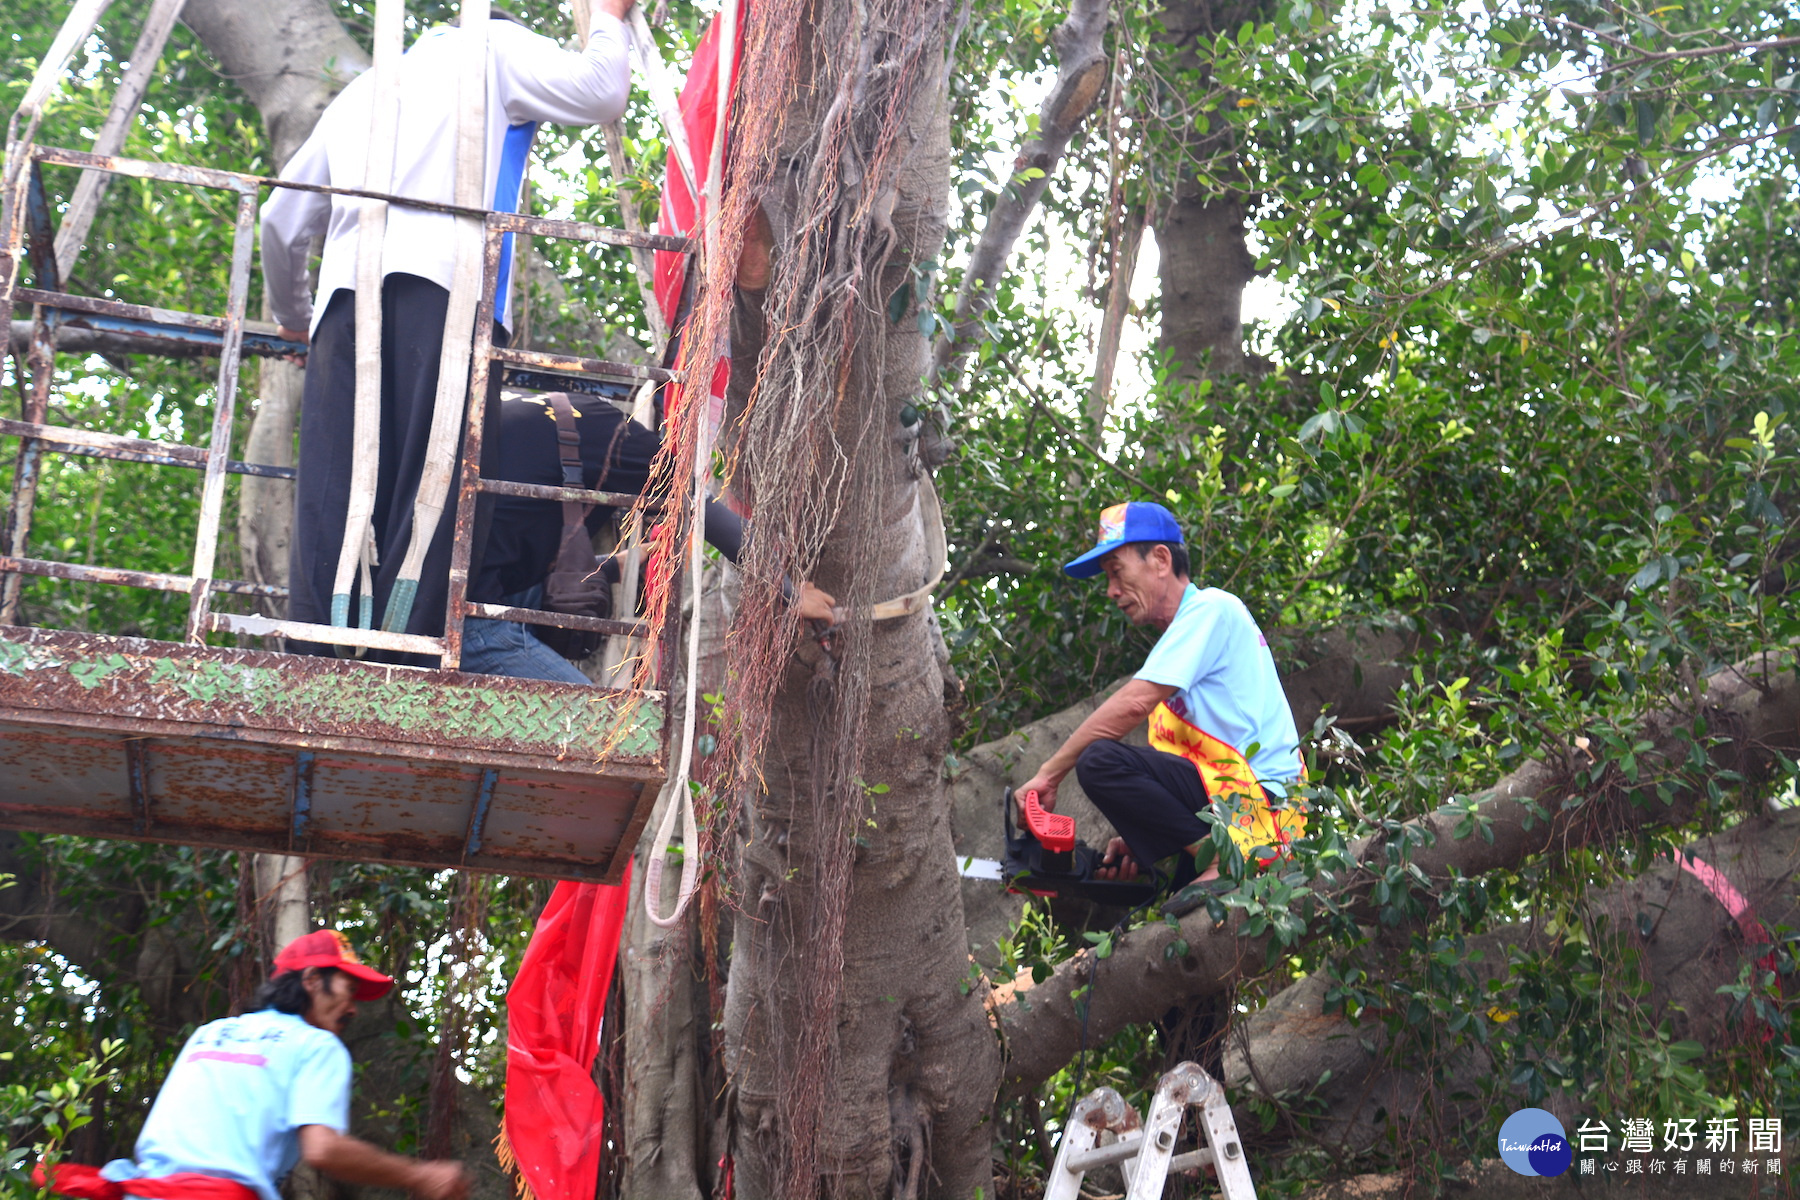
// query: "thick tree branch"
[[1080, 78], [1352, 673], [1754, 704], [1112, 322], [1293, 1045]]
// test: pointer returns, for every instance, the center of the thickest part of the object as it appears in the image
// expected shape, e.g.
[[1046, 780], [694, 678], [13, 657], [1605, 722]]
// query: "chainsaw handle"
[[1054, 831]]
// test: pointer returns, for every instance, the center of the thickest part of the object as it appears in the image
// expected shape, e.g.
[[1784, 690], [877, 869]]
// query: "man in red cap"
[[250, 1096]]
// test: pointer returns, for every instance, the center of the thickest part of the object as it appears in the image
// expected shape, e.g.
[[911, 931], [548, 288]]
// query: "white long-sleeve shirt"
[[530, 79]]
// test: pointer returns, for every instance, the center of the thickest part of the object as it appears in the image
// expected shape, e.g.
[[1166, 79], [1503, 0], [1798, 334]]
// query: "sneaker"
[[1195, 894]]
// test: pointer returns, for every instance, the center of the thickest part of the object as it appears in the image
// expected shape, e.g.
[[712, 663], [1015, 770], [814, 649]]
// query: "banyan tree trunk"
[[848, 889]]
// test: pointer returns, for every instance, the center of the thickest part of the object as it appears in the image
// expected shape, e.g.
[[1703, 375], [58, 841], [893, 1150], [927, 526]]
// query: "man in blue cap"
[[1222, 737]]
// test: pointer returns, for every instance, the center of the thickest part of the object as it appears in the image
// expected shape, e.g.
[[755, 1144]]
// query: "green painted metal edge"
[[140, 679]]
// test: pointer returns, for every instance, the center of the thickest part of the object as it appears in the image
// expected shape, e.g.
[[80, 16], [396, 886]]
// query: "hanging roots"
[[820, 134]]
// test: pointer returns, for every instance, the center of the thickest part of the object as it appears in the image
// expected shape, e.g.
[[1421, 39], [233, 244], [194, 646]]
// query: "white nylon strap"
[[459, 318], [371, 234], [684, 794], [933, 515], [709, 202]]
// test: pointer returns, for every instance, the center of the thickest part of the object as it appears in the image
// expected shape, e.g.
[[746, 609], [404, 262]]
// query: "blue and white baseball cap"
[[1122, 524]]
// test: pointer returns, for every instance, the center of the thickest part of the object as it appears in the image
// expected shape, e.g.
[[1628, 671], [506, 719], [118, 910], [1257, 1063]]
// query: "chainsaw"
[[1046, 859]]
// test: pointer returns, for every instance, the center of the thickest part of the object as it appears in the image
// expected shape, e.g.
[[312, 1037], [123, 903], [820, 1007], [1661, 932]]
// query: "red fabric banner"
[[683, 214], [86, 1183], [553, 1012], [680, 212]]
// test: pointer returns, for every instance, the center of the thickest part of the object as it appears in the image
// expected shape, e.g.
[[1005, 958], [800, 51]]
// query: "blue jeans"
[[509, 648]]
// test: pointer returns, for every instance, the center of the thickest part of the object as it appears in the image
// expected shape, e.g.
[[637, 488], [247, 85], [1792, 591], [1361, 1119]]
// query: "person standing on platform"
[[530, 80]]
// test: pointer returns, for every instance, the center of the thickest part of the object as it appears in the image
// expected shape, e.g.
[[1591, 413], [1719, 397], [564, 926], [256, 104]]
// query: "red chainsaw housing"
[[1054, 831]]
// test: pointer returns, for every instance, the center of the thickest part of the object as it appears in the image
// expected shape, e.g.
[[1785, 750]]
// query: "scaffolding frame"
[[256, 750], [30, 236]]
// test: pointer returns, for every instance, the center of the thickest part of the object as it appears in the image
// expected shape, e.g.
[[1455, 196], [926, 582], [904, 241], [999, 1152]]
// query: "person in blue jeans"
[[512, 649], [523, 535]]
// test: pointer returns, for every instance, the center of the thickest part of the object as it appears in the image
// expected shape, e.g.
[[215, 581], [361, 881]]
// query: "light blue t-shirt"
[[1226, 684], [236, 1098]]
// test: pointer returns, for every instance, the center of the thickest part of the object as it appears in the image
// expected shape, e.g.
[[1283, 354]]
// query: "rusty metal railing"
[[25, 220]]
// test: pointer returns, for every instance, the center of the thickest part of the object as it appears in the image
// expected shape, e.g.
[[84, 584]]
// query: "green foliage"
[[1534, 399], [35, 1123]]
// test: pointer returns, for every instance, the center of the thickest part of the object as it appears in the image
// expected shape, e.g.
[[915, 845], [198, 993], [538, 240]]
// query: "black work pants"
[[1150, 796], [412, 316]]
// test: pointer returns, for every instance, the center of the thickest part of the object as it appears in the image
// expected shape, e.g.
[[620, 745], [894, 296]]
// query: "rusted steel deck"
[[248, 750]]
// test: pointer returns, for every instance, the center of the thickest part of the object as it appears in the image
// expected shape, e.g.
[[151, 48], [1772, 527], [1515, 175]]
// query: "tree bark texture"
[[912, 1062], [1754, 705], [1288, 1047], [290, 58], [1204, 267], [1112, 321], [1205, 262], [670, 1082], [667, 1134]]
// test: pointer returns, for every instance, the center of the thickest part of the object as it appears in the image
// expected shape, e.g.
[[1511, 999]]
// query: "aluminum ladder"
[[1104, 1130]]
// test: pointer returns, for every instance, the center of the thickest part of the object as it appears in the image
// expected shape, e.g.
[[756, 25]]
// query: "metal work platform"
[[248, 750], [259, 750]]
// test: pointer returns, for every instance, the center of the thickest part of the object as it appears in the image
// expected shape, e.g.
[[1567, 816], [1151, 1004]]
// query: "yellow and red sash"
[[1260, 831]]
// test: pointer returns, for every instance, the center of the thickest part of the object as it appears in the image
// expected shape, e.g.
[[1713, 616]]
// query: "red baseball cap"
[[329, 948]]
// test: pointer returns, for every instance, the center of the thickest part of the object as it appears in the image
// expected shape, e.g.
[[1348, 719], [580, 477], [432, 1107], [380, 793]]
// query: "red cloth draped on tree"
[[553, 1109], [683, 214], [553, 1011]]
